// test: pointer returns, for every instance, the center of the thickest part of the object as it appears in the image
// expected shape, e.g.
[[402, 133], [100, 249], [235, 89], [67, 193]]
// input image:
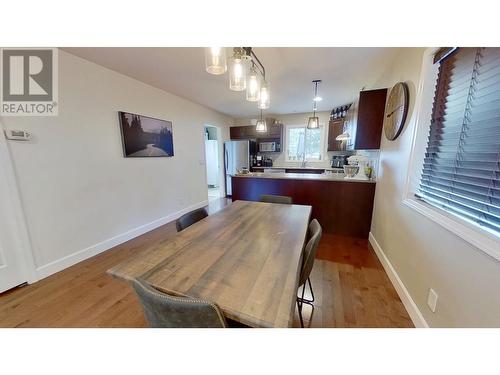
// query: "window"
[[301, 142], [461, 167]]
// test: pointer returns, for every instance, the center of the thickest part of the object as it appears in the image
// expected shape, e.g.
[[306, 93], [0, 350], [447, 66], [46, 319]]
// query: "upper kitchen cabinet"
[[366, 126], [335, 128], [274, 132], [242, 132]]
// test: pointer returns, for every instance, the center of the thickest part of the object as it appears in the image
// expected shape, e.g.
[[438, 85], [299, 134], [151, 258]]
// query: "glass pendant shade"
[[215, 60], [343, 137], [261, 126], [313, 122], [237, 74], [265, 99], [253, 86]]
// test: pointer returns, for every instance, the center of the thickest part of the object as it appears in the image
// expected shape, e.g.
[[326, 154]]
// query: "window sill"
[[477, 237]]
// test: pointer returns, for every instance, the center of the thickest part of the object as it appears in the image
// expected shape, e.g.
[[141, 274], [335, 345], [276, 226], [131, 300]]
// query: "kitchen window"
[[304, 144], [456, 155]]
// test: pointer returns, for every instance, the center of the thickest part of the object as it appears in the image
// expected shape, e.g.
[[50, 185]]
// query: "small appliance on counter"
[[258, 161], [338, 161], [355, 170], [268, 162]]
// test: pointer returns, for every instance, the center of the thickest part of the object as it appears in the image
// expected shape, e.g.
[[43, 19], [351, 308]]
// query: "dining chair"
[[165, 311], [190, 218], [281, 199], [309, 255]]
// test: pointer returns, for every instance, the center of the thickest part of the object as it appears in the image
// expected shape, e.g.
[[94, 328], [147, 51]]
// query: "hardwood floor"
[[350, 286]]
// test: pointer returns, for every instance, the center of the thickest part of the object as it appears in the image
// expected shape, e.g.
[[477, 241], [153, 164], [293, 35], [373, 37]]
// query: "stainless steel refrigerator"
[[236, 156]]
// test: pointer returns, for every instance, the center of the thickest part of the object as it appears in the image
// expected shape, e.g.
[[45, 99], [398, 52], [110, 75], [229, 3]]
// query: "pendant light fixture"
[[257, 89], [265, 97], [343, 137], [215, 60], [313, 122], [237, 70], [253, 85], [261, 125]]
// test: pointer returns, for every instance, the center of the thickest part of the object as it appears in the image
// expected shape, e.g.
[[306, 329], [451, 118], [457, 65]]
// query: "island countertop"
[[301, 176], [298, 167], [342, 206]]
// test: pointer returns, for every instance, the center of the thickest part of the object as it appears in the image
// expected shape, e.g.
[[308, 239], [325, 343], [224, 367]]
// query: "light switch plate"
[[432, 299]]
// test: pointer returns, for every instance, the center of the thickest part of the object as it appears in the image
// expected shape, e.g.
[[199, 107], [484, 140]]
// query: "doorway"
[[16, 263], [212, 162]]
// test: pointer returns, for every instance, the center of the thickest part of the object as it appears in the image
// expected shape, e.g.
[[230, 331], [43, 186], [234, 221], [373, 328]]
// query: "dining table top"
[[246, 258]]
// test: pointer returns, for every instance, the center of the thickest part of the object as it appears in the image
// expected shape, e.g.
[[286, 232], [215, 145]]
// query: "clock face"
[[396, 110]]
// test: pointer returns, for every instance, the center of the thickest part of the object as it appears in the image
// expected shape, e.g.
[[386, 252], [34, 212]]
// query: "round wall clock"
[[396, 110]]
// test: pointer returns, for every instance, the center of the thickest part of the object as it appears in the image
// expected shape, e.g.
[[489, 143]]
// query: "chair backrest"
[[190, 218], [282, 199], [164, 311], [310, 250]]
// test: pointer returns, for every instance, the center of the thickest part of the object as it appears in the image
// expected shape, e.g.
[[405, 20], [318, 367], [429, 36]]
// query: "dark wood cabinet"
[[274, 134], [335, 128], [273, 131], [342, 208], [366, 130], [242, 132]]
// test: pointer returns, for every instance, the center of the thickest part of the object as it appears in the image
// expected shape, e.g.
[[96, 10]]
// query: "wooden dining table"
[[246, 258]]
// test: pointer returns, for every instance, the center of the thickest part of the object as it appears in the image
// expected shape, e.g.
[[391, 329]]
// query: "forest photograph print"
[[145, 136]]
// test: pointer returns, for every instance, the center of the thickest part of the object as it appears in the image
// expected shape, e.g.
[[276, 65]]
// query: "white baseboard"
[[410, 305], [67, 261]]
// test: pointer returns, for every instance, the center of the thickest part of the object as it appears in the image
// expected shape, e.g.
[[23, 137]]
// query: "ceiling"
[[289, 71]]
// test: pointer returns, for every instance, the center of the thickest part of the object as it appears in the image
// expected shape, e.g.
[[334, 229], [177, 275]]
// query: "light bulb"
[[265, 100], [237, 76], [215, 60], [253, 86]]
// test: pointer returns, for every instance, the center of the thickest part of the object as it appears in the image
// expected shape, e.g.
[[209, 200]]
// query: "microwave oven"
[[267, 146]]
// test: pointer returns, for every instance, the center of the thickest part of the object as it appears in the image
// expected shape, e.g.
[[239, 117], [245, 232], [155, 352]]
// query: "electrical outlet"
[[432, 299]]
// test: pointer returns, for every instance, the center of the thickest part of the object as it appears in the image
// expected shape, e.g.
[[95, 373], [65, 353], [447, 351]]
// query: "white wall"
[[80, 194], [424, 254]]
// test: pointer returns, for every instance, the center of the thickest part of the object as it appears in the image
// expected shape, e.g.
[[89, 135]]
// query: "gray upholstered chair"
[[308, 257], [164, 311], [282, 199], [190, 218]]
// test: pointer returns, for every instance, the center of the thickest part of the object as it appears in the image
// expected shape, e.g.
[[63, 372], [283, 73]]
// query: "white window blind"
[[461, 172]]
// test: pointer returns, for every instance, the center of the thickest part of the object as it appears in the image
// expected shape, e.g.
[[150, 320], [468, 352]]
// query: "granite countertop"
[[311, 168], [302, 176]]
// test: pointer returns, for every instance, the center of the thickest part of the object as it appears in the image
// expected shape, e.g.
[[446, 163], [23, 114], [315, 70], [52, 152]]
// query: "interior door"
[[13, 267]]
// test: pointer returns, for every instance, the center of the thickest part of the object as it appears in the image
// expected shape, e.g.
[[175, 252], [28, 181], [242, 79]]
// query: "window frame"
[[472, 233], [322, 143]]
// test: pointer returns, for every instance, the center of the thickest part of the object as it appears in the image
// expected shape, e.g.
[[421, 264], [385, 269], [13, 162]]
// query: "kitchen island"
[[342, 206]]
